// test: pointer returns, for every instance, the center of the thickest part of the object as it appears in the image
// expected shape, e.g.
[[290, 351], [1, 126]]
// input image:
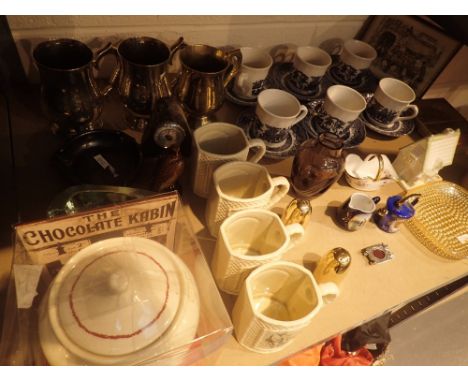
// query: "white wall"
[[452, 84], [264, 31]]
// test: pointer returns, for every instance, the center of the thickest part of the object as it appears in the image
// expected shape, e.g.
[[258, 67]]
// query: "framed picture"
[[409, 48]]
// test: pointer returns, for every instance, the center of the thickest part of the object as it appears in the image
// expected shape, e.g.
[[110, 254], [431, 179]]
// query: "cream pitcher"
[[206, 71]]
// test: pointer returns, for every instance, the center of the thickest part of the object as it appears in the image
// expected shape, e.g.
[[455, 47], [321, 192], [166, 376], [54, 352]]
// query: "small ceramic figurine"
[[297, 211], [398, 209]]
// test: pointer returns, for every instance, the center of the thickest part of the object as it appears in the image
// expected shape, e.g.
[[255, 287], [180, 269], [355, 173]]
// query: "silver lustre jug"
[[143, 65], [70, 95], [205, 73]]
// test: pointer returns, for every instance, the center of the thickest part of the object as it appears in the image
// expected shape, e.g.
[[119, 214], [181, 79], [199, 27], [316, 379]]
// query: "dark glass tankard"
[[70, 95]]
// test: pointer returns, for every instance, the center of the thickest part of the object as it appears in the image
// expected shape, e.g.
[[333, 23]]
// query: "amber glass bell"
[[318, 164]]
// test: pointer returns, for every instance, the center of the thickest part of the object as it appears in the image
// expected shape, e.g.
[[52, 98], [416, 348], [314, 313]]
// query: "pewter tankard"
[[142, 79], [206, 71], [71, 98]]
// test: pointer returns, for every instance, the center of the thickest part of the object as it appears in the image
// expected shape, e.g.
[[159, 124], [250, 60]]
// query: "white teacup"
[[239, 186], [247, 239], [342, 106], [355, 57], [310, 65], [215, 144], [277, 111], [276, 302], [256, 64], [391, 99]]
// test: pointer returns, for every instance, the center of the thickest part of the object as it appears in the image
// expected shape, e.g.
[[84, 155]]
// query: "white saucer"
[[248, 121], [241, 101], [277, 80], [398, 129]]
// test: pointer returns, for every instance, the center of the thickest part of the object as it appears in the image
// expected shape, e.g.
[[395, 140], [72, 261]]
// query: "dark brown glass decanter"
[[317, 165]]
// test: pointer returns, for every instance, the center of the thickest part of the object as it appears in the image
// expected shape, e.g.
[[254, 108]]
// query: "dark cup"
[[142, 80], [71, 98]]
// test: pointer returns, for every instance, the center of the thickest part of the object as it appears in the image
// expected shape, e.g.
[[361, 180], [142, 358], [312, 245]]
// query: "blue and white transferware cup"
[[277, 111], [341, 108], [310, 65], [356, 56], [256, 64], [391, 101]]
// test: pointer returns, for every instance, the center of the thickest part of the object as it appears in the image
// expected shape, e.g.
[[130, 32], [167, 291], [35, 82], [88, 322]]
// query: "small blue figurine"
[[398, 209]]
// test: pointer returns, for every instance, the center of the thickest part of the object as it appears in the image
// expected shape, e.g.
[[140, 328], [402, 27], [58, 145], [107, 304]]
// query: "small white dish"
[[369, 174]]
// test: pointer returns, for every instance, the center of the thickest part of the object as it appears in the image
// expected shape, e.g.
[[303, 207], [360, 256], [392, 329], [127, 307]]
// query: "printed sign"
[[57, 239]]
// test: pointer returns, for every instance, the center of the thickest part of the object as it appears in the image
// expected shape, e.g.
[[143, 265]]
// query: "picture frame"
[[409, 48]]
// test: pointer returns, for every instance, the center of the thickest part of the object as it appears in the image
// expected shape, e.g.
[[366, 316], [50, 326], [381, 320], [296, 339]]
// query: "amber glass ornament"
[[318, 163]]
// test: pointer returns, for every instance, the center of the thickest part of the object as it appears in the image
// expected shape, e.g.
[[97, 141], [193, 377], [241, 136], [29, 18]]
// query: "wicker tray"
[[441, 219]]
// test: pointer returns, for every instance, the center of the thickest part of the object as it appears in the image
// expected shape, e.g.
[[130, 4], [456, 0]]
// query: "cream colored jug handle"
[[260, 151], [329, 291], [281, 187], [295, 231]]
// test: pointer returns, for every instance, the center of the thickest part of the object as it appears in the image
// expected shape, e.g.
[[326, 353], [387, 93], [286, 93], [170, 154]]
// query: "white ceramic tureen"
[[119, 301]]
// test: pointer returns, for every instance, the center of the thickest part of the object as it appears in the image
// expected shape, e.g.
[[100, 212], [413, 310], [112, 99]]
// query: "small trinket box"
[[377, 253]]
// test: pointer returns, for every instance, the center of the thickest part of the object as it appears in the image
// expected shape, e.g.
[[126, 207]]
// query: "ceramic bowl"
[[375, 179], [120, 301]]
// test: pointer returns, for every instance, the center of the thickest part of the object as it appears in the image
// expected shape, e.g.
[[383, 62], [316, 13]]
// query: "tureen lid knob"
[[118, 282]]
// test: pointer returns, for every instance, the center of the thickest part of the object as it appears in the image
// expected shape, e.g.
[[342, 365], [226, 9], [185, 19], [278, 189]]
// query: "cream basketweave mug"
[[238, 186], [276, 302], [215, 144], [248, 239]]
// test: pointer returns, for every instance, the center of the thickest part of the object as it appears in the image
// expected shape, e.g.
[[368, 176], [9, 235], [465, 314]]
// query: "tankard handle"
[[235, 57], [100, 54], [180, 43]]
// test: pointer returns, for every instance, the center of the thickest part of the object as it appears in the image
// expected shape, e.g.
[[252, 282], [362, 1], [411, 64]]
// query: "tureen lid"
[[115, 296]]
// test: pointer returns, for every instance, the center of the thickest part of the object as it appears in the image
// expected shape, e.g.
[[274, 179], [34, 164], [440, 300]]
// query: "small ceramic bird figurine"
[[168, 170], [298, 211]]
